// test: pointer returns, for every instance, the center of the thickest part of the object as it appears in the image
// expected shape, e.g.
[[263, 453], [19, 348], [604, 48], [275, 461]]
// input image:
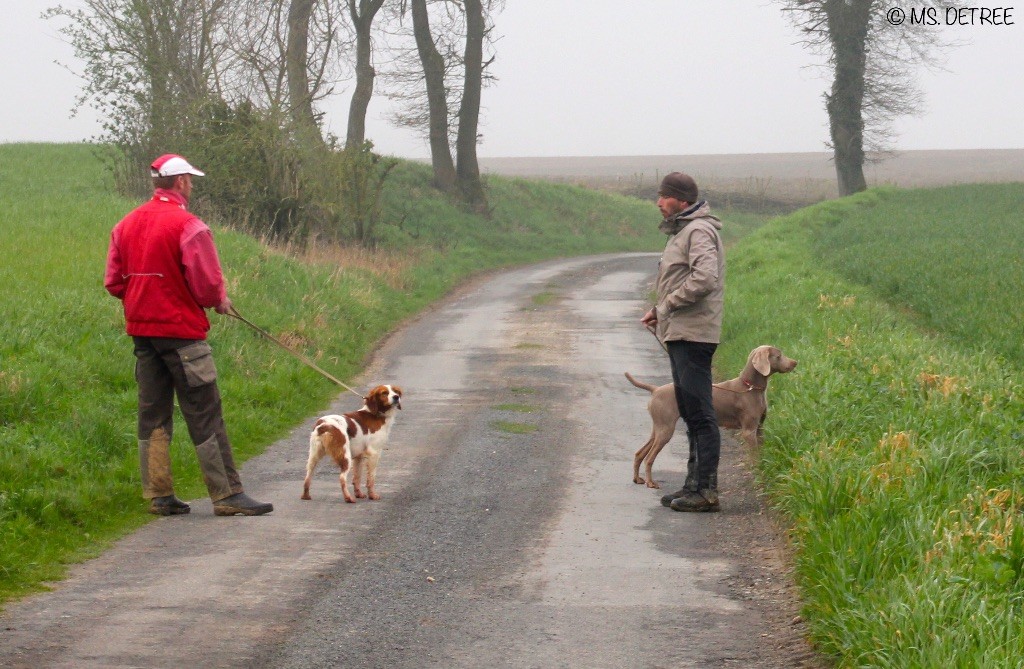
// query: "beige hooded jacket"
[[691, 277]]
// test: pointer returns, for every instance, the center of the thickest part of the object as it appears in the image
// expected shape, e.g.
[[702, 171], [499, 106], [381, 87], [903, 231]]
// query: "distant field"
[[766, 181]]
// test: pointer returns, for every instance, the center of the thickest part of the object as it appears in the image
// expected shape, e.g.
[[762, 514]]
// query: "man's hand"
[[650, 319], [224, 307]]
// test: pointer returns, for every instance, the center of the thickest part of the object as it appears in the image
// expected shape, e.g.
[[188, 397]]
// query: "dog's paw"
[[653, 484], [374, 496]]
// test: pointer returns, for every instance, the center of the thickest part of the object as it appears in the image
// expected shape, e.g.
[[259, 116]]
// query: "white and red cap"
[[171, 165]]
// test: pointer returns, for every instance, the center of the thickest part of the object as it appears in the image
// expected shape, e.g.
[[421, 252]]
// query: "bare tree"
[[441, 93], [257, 39], [307, 71], [149, 68], [433, 64], [362, 13], [872, 55], [467, 166], [300, 12]]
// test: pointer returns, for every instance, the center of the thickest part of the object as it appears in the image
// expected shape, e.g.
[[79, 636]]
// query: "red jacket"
[[163, 266]]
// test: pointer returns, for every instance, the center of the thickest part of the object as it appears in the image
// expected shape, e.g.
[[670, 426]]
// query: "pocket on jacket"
[[197, 361]]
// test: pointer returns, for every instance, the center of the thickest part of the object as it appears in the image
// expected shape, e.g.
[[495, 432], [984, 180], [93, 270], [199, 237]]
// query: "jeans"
[[691, 373]]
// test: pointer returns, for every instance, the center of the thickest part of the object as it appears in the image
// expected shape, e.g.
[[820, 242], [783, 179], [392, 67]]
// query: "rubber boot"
[[168, 505], [241, 504], [218, 469], [690, 484], [155, 465]]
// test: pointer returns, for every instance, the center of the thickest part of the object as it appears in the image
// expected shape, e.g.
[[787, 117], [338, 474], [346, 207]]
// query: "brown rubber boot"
[[168, 505], [155, 465], [241, 504]]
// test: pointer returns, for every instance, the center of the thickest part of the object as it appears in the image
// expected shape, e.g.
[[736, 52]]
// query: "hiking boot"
[[241, 504], [705, 500], [682, 492], [168, 505], [687, 489]]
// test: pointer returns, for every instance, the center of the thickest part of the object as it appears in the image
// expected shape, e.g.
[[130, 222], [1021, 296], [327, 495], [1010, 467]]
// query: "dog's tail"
[[640, 384]]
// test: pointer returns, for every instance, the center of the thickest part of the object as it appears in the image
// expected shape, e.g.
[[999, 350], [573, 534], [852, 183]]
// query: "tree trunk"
[[848, 30], [468, 168], [437, 99], [296, 56], [362, 19]]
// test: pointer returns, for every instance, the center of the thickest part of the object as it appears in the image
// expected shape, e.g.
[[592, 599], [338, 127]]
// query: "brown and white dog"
[[740, 404], [355, 440]]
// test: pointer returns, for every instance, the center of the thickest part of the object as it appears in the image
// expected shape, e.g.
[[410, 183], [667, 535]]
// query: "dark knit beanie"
[[680, 186]]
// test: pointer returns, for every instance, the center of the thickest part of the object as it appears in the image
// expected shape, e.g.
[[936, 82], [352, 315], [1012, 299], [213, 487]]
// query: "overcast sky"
[[607, 77]]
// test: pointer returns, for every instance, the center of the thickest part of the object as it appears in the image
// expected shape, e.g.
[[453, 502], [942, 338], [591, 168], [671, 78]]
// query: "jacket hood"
[[673, 224]]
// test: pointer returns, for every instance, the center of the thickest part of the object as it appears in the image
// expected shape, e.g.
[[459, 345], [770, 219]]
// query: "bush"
[[260, 180]]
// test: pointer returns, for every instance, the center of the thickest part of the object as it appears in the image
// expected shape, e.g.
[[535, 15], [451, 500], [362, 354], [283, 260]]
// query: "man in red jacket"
[[163, 266]]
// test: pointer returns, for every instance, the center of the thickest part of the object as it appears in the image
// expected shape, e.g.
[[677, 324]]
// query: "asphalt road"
[[510, 533]]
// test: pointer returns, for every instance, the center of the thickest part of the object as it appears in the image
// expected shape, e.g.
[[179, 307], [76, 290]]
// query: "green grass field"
[[68, 457], [895, 449]]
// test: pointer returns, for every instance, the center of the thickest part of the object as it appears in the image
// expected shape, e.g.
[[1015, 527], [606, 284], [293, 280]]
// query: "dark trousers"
[[183, 367], [691, 373]]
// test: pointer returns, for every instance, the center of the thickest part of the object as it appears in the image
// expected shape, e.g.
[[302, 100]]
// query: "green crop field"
[[895, 449]]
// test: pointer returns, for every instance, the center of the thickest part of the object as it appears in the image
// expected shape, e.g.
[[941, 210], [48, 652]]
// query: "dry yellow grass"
[[392, 267]]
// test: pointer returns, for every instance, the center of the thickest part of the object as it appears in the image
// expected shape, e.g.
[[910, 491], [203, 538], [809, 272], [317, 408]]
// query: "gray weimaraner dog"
[[740, 404]]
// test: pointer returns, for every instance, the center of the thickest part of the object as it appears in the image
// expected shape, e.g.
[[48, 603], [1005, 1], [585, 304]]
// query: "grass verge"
[[894, 451]]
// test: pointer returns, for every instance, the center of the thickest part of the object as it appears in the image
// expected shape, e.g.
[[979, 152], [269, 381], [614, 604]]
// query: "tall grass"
[[893, 451], [952, 255], [68, 456]]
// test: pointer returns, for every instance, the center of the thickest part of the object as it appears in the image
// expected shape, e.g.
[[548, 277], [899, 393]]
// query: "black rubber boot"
[[241, 504], [168, 505]]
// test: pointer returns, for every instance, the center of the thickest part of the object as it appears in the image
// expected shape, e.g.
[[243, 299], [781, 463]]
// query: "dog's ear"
[[373, 400], [759, 359]]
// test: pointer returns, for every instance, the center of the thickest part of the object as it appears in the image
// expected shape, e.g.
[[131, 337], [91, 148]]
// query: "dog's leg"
[[358, 466], [661, 435], [639, 456], [372, 458], [316, 451], [748, 433], [661, 438], [346, 468]]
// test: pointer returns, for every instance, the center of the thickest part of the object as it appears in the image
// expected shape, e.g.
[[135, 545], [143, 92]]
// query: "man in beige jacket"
[[688, 320]]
